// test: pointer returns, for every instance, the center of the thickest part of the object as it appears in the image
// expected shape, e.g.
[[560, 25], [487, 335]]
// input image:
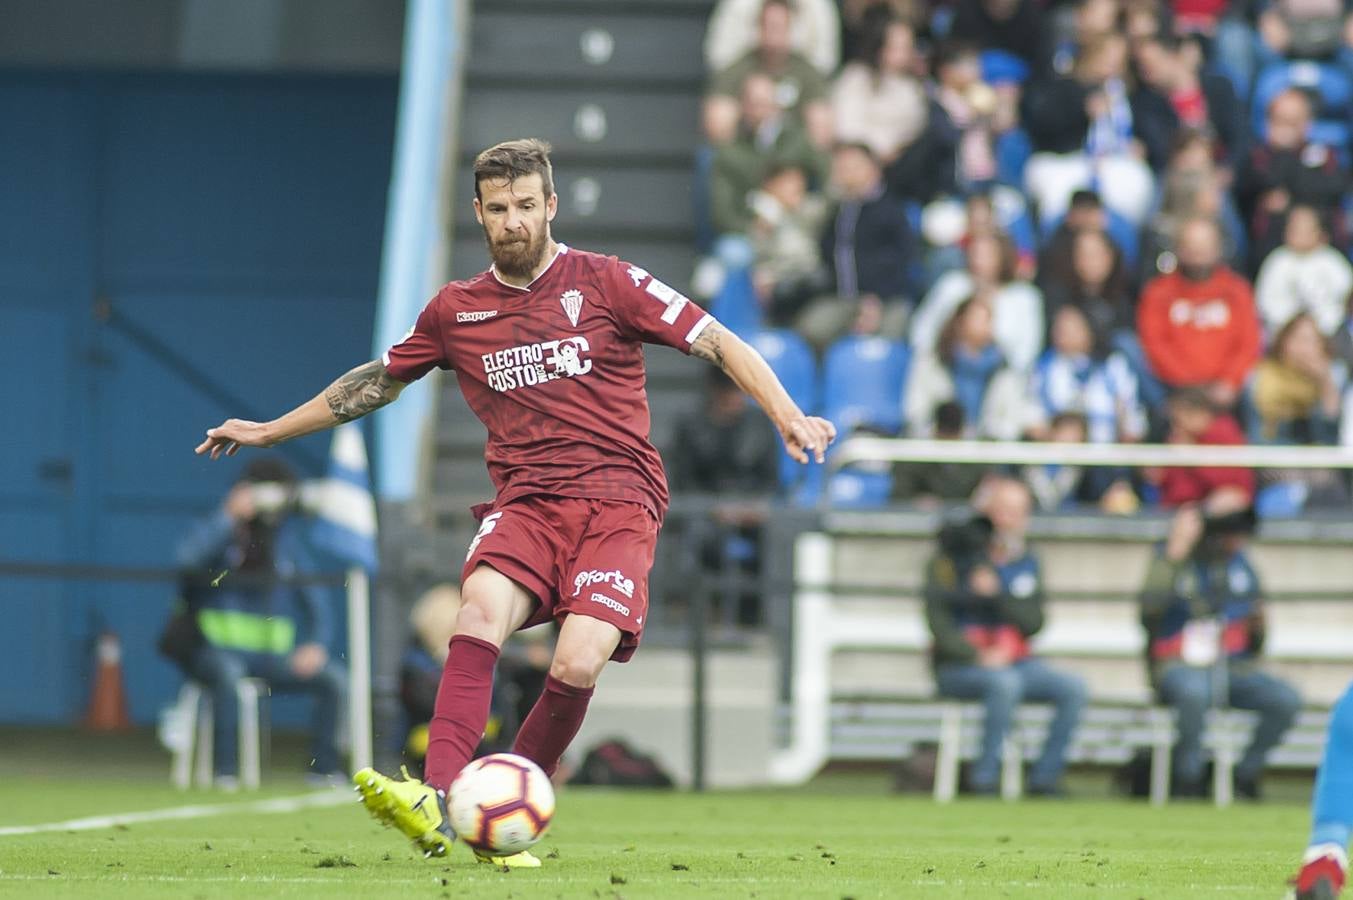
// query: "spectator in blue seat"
[[1204, 619], [797, 86], [984, 602], [867, 246], [1056, 260], [992, 271], [765, 139], [967, 366], [1175, 92], [1287, 168], [787, 266], [1084, 134], [253, 624], [1188, 195], [1081, 374], [1095, 284], [1295, 389], [878, 100], [1304, 274]]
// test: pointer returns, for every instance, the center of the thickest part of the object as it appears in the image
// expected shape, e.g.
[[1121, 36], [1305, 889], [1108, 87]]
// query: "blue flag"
[[342, 504]]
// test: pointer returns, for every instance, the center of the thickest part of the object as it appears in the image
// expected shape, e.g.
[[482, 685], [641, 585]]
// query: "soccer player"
[[1325, 865], [546, 346]]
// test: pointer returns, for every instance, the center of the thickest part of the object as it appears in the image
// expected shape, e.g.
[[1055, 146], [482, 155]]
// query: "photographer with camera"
[[1205, 627], [984, 601], [251, 622]]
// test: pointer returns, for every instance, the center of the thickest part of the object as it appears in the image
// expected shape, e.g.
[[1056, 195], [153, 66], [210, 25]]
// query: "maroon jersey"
[[555, 371]]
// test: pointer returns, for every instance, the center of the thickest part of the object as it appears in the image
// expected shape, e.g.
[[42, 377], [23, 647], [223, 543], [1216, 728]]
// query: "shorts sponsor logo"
[[611, 604], [477, 315], [528, 365], [615, 578]]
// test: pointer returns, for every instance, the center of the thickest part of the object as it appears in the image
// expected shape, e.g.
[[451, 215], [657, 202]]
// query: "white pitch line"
[[199, 811]]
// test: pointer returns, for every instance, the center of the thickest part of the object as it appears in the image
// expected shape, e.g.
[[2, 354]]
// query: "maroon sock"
[[553, 722], [462, 709]]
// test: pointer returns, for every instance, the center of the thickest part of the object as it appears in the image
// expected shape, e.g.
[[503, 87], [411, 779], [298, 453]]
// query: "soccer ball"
[[501, 804]]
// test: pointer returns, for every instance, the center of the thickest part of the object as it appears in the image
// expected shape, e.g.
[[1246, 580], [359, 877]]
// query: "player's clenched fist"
[[808, 436]]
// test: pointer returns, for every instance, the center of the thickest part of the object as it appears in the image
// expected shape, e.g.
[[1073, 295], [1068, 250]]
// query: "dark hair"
[[511, 160], [1275, 346], [1084, 198], [781, 167], [1193, 396], [950, 52], [1115, 285], [856, 145], [949, 418], [874, 34], [1009, 255], [1070, 417], [948, 336]]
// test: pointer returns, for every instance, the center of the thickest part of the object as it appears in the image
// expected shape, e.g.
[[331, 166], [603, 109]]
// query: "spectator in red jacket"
[[1195, 420], [1197, 323]]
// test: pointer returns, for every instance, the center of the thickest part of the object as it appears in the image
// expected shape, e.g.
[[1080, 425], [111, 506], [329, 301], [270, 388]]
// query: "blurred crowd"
[[1070, 220]]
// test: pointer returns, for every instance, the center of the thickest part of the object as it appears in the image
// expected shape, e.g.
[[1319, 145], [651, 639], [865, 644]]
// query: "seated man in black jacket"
[[983, 602], [868, 247]]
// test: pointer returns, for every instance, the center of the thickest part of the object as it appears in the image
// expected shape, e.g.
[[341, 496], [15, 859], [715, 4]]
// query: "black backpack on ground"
[[615, 763]]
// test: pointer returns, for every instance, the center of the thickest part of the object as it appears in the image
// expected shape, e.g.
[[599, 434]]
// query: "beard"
[[517, 258]]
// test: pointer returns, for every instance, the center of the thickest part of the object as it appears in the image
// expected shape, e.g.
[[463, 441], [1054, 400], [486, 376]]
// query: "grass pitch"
[[832, 840]]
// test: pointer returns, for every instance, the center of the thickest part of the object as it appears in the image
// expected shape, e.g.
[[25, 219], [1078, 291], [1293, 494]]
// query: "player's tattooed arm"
[[362, 390], [806, 437], [367, 387], [709, 346]]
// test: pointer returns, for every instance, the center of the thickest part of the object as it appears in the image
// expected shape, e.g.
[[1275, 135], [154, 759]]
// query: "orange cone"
[[108, 704]]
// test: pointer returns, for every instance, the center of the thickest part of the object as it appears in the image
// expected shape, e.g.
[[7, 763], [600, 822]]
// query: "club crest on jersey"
[[572, 301]]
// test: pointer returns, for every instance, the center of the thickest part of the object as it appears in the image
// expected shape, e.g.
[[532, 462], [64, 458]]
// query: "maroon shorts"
[[589, 557]]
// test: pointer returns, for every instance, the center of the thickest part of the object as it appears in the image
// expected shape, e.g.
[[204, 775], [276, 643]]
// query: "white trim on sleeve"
[[698, 327]]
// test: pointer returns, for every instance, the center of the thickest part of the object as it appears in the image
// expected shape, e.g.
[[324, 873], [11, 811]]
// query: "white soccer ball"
[[501, 804]]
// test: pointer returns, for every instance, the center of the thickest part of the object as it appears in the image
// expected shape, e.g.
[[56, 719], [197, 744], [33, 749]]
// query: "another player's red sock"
[[462, 709], [552, 723]]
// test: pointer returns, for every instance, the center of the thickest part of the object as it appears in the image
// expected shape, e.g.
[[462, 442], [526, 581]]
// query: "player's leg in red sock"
[[585, 644], [493, 607]]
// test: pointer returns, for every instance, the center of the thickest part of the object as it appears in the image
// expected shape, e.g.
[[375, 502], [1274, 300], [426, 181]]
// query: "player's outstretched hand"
[[808, 436], [231, 435]]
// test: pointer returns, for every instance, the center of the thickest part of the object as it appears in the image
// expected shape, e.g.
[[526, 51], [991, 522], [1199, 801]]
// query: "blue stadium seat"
[[1329, 83], [860, 489], [862, 383], [792, 361], [736, 306]]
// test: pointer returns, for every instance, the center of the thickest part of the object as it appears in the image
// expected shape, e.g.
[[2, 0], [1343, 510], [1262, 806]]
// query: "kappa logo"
[[611, 603], [637, 275], [478, 315], [572, 301], [615, 578]]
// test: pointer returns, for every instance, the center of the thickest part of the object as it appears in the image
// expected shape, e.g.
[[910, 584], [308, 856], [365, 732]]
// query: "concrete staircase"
[[615, 87]]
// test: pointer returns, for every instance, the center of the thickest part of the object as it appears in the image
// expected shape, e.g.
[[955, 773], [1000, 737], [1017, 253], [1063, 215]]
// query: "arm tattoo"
[[709, 345], [366, 388]]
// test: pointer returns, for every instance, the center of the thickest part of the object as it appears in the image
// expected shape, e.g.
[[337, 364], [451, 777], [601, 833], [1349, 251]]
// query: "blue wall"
[[232, 221]]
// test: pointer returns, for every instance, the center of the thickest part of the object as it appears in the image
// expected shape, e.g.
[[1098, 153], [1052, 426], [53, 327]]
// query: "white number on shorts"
[[485, 527]]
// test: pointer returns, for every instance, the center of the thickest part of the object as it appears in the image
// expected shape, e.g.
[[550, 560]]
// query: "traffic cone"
[[108, 703]]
